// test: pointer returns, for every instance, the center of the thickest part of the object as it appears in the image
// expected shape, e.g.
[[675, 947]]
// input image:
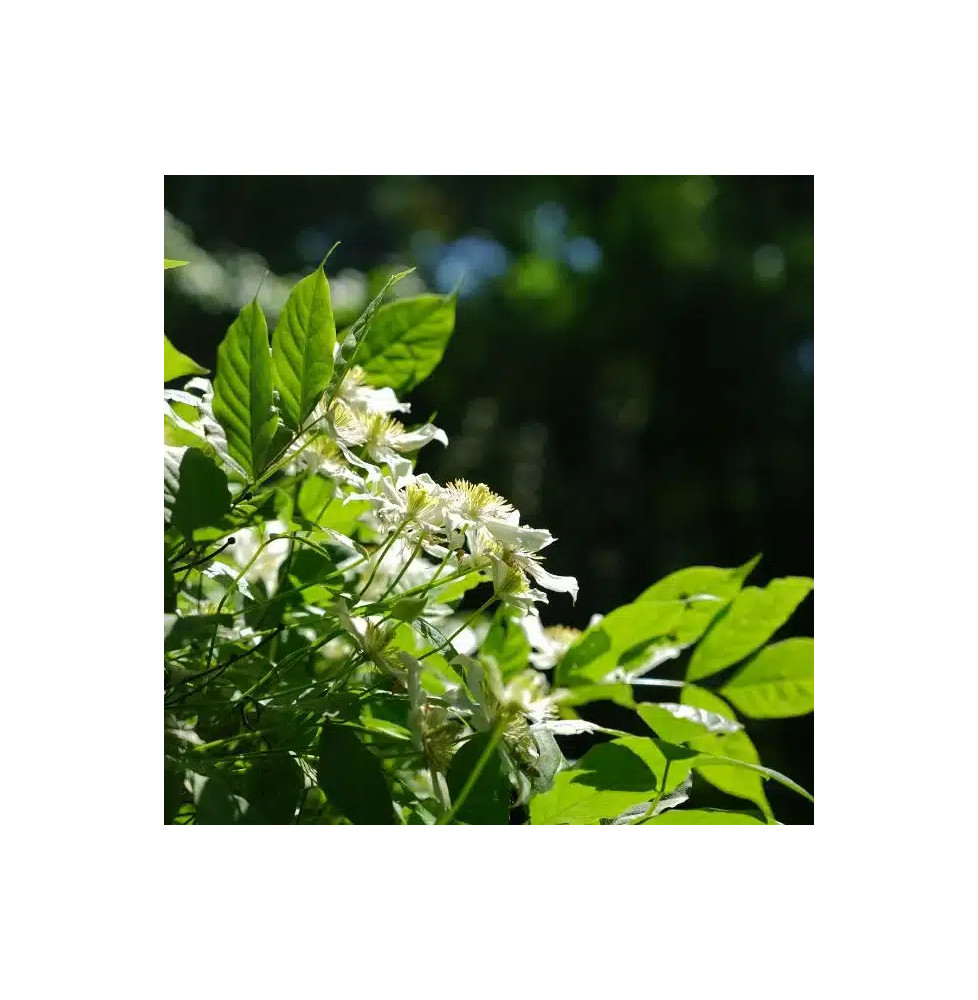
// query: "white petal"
[[558, 584], [420, 436], [521, 538]]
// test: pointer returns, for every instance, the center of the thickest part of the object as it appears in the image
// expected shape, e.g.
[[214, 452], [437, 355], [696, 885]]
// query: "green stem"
[[658, 796], [404, 569], [457, 631], [380, 558]]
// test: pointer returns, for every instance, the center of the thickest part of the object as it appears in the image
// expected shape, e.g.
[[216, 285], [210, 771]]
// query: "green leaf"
[[777, 683], [353, 337], [455, 589], [273, 789], [682, 723], [177, 365], [302, 347], [217, 805], [753, 617], [506, 641], [665, 619], [620, 694], [352, 778], [408, 608], [406, 340], [732, 781], [315, 494], [487, 803], [167, 264], [686, 757], [202, 496], [699, 580], [605, 781], [242, 401], [701, 817]]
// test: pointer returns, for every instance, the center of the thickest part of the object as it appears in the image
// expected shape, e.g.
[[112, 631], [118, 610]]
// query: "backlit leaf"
[[177, 364], [752, 618], [242, 402], [302, 347], [777, 683], [406, 340]]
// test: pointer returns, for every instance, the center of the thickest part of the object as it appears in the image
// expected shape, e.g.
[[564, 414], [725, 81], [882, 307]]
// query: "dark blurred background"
[[631, 364]]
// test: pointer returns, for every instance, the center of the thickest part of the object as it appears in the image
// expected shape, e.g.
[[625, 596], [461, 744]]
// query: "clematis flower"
[[382, 437], [359, 396], [529, 564], [548, 644]]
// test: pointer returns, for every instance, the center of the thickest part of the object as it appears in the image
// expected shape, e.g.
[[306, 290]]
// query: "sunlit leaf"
[[167, 264], [177, 364], [681, 723], [752, 618], [242, 402], [606, 780], [777, 683], [704, 817], [302, 347], [664, 620], [406, 340], [733, 781]]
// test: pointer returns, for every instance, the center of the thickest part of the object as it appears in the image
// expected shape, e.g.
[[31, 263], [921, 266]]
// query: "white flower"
[[357, 395], [266, 567], [549, 644], [470, 506], [382, 437], [530, 564], [511, 587], [373, 636], [410, 498]]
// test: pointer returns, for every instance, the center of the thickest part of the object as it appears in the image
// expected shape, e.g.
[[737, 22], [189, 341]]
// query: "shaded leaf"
[[752, 618], [487, 803], [777, 683], [176, 364], [406, 340], [217, 805], [352, 778], [273, 789], [202, 495], [242, 401], [302, 347]]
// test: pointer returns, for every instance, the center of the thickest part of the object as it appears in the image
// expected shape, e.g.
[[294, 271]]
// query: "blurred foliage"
[[632, 365]]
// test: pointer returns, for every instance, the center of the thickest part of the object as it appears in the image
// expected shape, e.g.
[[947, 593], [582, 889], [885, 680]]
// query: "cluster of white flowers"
[[469, 520], [426, 533]]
